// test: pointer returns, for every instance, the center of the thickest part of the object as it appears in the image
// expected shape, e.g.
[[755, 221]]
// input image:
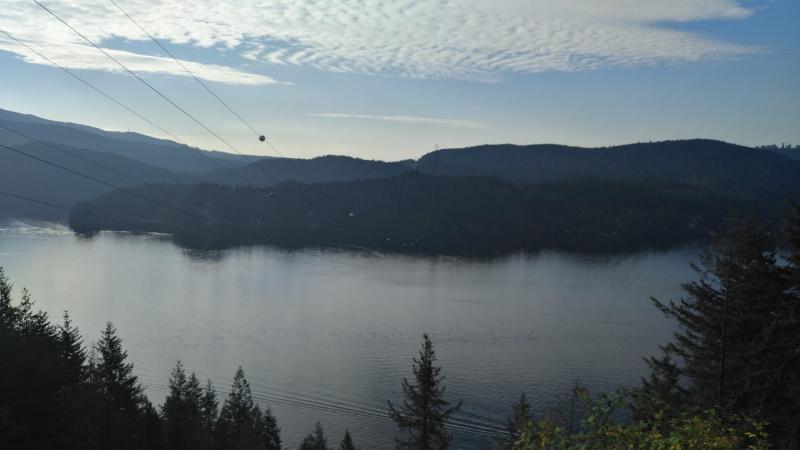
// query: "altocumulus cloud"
[[451, 39]]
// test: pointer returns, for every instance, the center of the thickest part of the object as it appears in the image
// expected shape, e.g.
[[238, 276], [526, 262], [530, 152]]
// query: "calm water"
[[329, 336]]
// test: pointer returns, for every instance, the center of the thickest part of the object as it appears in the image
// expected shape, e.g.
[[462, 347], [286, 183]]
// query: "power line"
[[82, 80], [178, 107], [211, 91], [152, 88], [203, 84], [469, 424], [111, 98], [146, 198], [53, 205], [87, 160], [105, 183], [175, 105]]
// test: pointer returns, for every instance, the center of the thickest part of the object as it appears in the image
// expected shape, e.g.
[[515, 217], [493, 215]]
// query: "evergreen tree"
[[7, 312], [347, 442], [661, 392], [786, 337], [121, 392], [738, 284], [792, 232], [193, 397], [209, 408], [268, 432], [36, 380], [153, 435], [737, 337], [242, 425], [73, 354], [173, 409], [424, 410], [182, 411], [516, 422], [315, 440]]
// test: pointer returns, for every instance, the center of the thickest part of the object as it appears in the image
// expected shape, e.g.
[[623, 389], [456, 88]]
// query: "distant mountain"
[[747, 173], [156, 152], [270, 171], [423, 213], [24, 176]]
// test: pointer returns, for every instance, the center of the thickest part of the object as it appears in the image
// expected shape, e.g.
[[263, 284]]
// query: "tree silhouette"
[[315, 440], [424, 410], [210, 412], [520, 416], [120, 389], [347, 442], [242, 424]]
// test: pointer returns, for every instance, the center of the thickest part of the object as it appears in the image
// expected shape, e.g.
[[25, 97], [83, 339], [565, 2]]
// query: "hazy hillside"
[[25, 176], [745, 172], [321, 169], [157, 152]]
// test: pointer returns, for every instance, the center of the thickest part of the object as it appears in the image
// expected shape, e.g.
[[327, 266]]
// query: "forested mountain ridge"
[[423, 213], [753, 174], [268, 171], [723, 175]]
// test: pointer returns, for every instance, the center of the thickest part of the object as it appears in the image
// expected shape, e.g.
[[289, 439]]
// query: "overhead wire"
[[217, 97], [105, 183], [469, 423], [174, 104], [149, 86], [186, 69], [236, 232], [88, 161], [116, 101], [163, 96], [53, 205]]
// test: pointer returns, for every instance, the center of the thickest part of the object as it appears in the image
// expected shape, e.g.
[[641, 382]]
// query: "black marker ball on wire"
[[262, 138]]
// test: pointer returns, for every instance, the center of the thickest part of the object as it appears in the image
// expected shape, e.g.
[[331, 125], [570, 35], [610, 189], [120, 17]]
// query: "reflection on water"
[[329, 335]]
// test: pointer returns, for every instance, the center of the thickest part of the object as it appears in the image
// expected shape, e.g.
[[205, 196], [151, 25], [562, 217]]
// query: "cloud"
[[457, 123], [447, 39]]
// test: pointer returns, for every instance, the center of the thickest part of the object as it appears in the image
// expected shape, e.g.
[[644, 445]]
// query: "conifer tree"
[[661, 392], [193, 396], [242, 424], [7, 312], [73, 354], [120, 389], [738, 337], [209, 408], [424, 411], [519, 418], [738, 284], [267, 429], [347, 442], [182, 410], [315, 440], [786, 337], [792, 232]]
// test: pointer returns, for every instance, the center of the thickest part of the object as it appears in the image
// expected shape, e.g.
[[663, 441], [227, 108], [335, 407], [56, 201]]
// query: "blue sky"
[[392, 79]]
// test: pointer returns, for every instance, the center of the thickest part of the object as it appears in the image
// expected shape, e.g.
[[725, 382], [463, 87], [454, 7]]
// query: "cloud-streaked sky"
[[391, 79]]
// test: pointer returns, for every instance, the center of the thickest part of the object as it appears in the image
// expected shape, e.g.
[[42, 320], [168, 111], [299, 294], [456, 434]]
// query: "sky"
[[394, 79]]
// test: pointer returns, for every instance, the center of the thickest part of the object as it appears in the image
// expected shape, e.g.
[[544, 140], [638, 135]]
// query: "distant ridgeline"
[[480, 200], [491, 198]]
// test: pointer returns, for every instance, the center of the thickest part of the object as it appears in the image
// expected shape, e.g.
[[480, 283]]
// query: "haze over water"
[[329, 336]]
